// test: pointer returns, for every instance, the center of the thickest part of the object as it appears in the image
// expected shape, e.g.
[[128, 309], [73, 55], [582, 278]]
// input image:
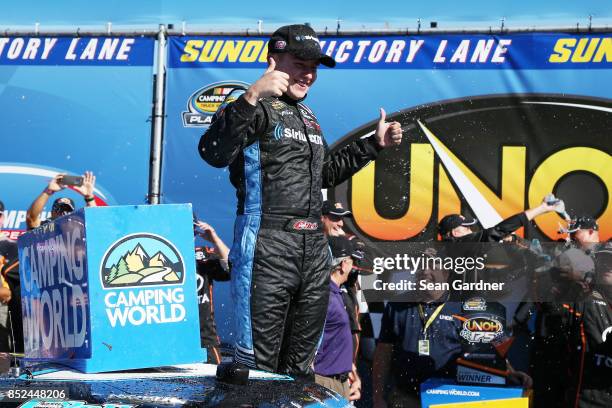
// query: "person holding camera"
[[61, 206]]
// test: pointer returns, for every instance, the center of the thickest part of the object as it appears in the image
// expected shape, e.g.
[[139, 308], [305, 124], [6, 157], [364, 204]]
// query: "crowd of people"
[[294, 268]]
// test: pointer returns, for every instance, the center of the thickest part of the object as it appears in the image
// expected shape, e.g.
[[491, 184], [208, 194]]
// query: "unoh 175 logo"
[[142, 260], [481, 329], [204, 102]]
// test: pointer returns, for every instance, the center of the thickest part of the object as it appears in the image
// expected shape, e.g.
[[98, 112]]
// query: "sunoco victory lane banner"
[[70, 105], [492, 123]]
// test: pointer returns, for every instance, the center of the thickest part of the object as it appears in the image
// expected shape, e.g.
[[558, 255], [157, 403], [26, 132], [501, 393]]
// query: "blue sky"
[[241, 15]]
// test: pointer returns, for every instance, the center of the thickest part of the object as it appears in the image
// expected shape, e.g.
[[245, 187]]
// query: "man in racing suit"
[[278, 164]]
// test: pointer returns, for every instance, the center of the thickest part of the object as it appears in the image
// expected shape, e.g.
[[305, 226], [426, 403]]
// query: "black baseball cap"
[[334, 209], [301, 41], [358, 249], [341, 247], [452, 221], [585, 222], [62, 205]]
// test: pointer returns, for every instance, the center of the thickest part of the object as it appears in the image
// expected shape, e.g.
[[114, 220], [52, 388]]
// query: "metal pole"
[[345, 31], [158, 119]]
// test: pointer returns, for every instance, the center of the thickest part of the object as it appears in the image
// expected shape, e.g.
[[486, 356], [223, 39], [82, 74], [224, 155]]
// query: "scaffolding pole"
[[181, 31], [158, 120]]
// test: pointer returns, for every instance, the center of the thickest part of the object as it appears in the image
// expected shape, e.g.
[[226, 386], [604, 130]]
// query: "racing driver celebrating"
[[279, 162]]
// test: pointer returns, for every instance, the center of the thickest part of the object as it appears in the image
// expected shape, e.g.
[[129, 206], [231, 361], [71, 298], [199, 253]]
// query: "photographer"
[[63, 205]]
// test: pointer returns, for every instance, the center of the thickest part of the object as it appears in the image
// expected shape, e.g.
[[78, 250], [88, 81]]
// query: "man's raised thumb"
[[271, 65], [383, 116]]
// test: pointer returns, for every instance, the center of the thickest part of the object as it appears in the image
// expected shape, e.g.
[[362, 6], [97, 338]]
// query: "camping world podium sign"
[[112, 288]]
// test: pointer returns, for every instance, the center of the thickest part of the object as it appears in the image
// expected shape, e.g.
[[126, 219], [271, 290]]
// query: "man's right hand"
[[271, 83], [55, 185]]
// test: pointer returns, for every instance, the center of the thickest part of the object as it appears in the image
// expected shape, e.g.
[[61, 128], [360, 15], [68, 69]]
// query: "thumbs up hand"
[[271, 83], [388, 133]]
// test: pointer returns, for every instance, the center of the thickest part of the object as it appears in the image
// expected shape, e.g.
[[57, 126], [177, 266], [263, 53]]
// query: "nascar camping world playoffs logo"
[[204, 102], [142, 260]]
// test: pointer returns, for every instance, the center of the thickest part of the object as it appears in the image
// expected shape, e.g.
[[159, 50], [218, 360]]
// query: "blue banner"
[[81, 51], [527, 51]]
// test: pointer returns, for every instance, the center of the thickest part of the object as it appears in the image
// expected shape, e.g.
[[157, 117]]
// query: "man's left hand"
[[87, 188], [388, 133]]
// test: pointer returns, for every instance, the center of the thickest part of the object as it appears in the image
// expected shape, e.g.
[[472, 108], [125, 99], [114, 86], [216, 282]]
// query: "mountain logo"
[[141, 260]]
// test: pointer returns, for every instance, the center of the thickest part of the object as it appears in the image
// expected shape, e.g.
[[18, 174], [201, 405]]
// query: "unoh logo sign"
[[139, 267], [204, 102], [488, 157]]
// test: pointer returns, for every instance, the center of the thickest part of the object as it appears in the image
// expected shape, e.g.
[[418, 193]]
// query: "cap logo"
[[307, 37], [280, 45]]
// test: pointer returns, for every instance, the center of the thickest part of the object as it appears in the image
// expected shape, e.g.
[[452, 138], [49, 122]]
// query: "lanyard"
[[431, 319]]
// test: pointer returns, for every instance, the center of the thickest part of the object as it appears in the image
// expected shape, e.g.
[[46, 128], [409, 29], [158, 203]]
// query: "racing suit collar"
[[290, 101]]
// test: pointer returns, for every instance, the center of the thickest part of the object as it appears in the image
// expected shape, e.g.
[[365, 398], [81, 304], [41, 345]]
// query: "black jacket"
[[590, 348], [278, 158], [497, 232]]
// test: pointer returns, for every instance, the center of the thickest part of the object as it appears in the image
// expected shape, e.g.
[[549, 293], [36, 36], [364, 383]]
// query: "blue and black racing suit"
[[278, 163]]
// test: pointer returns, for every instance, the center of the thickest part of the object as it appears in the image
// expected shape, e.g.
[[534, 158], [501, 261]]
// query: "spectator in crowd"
[[63, 205], [588, 380], [9, 267], [584, 231], [333, 365], [333, 218], [417, 341], [211, 265], [350, 290], [457, 228], [333, 222], [571, 277]]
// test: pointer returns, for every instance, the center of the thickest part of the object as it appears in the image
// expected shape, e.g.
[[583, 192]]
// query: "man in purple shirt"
[[334, 360]]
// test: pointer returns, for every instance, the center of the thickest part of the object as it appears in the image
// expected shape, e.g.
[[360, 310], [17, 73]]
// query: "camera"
[[71, 180]]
